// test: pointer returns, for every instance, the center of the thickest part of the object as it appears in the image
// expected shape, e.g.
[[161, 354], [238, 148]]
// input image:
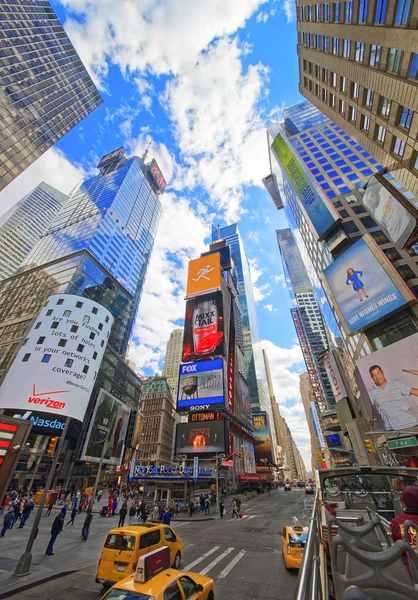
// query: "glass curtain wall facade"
[[300, 287], [340, 168], [253, 353], [99, 246], [23, 224], [45, 89]]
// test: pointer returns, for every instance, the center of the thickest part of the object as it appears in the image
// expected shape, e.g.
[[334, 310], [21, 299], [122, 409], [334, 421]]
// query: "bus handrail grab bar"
[[384, 521], [310, 554]]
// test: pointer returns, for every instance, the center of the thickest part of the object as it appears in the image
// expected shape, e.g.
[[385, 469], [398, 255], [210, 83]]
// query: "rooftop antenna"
[[144, 156], [219, 232]]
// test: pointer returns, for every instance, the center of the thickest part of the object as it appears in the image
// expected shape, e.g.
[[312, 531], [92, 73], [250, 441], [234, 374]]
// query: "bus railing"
[[309, 580]]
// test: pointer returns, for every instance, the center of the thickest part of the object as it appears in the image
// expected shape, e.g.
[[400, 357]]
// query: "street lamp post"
[[25, 561]]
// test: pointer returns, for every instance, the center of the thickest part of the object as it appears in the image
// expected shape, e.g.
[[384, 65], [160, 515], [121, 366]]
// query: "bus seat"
[[355, 593], [372, 536], [398, 506], [361, 501], [380, 575], [410, 527]]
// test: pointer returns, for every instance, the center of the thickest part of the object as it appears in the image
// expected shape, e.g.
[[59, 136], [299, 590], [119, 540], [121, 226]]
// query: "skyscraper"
[[173, 360], [358, 63], [45, 88], [23, 224], [301, 290], [307, 395]]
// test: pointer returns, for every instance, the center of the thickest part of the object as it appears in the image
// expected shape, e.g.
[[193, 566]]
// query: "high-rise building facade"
[[253, 353], [45, 90], [24, 223], [307, 395], [172, 361], [314, 328], [358, 63]]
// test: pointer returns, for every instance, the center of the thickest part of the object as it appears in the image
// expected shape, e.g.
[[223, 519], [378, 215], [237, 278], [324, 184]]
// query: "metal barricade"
[[309, 580]]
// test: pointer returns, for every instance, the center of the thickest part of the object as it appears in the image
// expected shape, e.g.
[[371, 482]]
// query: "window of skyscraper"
[[413, 69], [352, 113], [62, 343], [40, 340], [46, 358], [318, 12], [380, 12], [336, 12], [394, 60], [326, 12], [346, 48], [79, 305], [375, 52], [403, 10], [54, 325], [26, 357], [359, 51], [68, 362], [74, 328], [398, 147], [405, 117], [363, 10], [384, 106], [355, 88], [368, 97], [326, 43], [335, 45], [348, 11], [332, 100], [60, 301], [49, 312], [341, 106]]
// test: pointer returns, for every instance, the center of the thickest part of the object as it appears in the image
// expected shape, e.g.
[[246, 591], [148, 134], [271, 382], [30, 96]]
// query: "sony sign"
[[334, 376]]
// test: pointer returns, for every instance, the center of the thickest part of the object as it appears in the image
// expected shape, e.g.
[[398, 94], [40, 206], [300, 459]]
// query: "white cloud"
[[283, 364], [254, 236], [289, 9], [260, 291], [53, 167], [278, 278], [270, 308], [181, 236]]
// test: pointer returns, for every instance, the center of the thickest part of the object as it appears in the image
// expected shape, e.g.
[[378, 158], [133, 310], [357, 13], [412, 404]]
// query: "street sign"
[[402, 443]]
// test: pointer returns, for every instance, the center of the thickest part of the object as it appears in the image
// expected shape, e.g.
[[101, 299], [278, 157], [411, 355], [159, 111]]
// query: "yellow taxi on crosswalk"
[[155, 580], [293, 543]]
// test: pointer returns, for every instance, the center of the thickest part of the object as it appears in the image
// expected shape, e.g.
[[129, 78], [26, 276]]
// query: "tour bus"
[[349, 552]]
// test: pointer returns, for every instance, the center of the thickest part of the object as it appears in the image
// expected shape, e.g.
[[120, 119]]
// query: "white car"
[[309, 489]]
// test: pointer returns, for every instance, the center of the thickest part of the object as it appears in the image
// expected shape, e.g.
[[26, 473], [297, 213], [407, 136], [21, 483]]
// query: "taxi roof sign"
[[152, 563]]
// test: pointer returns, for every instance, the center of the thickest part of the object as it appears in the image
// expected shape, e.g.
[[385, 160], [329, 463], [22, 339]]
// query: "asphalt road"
[[243, 556]]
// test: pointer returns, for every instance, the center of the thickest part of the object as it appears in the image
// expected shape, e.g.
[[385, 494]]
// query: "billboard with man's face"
[[396, 220], [361, 288], [388, 382]]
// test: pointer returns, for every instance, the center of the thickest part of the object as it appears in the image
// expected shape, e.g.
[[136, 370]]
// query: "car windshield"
[[115, 594], [298, 538], [117, 541]]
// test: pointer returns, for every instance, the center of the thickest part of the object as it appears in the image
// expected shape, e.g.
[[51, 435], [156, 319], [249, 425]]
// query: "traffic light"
[[53, 442], [370, 446], [239, 454]]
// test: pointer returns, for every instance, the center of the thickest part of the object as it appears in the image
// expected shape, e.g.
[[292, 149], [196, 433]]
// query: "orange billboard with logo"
[[204, 275]]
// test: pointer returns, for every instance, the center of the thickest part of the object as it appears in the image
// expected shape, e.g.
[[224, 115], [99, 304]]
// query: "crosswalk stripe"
[[176, 525], [231, 565], [252, 517], [198, 560], [245, 516], [215, 562]]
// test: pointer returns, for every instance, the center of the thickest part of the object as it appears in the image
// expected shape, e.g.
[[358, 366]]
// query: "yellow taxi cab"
[[124, 545], [293, 542], [154, 580]]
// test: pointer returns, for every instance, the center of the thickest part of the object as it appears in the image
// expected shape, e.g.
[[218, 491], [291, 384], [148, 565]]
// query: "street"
[[242, 555]]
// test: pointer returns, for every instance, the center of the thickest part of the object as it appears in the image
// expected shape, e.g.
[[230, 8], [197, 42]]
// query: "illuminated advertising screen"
[[204, 327], [320, 213], [108, 426], [333, 440], [361, 288], [201, 385], [200, 438], [388, 383], [249, 457], [398, 220], [111, 157], [204, 275], [157, 176], [262, 444]]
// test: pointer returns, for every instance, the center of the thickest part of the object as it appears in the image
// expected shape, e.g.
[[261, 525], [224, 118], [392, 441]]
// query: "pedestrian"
[[110, 505], [99, 494], [144, 514], [86, 527], [221, 508], [177, 509], [132, 512], [26, 513], [166, 517], [207, 511], [16, 515], [73, 516], [234, 508], [191, 508], [55, 531], [50, 507], [7, 521], [239, 504], [114, 507], [64, 511], [155, 512], [122, 514]]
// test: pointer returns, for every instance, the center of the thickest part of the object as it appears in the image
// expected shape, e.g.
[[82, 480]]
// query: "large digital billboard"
[[55, 369], [108, 426], [262, 443], [204, 275], [204, 327], [320, 213], [396, 217], [388, 383], [361, 288], [249, 457], [201, 438], [201, 385]]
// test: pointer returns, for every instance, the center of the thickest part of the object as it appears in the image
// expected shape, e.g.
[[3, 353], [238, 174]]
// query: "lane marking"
[[231, 565], [245, 516], [215, 562], [252, 517], [198, 560], [176, 525]]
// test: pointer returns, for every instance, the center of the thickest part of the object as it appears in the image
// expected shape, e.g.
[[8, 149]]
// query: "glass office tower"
[[45, 89], [24, 223], [300, 287], [98, 246], [301, 116], [253, 352]]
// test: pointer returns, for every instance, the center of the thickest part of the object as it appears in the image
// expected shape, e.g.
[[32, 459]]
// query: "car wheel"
[[211, 595], [177, 561]]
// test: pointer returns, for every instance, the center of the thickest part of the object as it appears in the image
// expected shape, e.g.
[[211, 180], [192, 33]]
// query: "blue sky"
[[201, 79]]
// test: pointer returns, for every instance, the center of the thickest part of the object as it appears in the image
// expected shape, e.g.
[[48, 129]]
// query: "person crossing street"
[[55, 531], [86, 527], [73, 516], [234, 508]]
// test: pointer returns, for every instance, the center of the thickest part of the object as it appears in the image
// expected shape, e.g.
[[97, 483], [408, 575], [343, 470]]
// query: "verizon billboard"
[[56, 367]]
